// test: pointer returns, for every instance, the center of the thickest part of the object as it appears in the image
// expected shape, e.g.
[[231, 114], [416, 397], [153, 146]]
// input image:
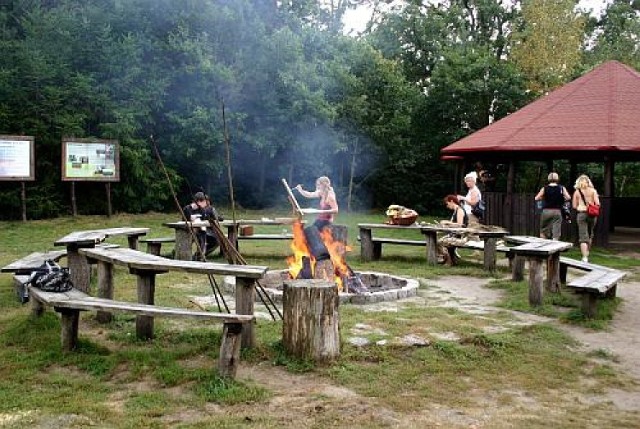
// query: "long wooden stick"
[[229, 175], [212, 281]]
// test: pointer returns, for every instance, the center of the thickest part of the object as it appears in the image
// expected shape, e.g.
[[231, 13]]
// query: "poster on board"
[[17, 158], [90, 159]]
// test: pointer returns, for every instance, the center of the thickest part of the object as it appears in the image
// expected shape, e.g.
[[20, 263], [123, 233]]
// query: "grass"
[[114, 380]]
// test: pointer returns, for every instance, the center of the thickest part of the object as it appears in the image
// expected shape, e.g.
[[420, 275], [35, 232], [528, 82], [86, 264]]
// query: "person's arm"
[[565, 193], [306, 194], [472, 198], [596, 197], [540, 194]]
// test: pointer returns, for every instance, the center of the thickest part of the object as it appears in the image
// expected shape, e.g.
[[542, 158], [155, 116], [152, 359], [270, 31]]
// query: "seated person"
[[459, 218], [201, 209]]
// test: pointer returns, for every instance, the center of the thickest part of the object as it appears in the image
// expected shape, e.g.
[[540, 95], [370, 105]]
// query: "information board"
[[86, 159], [17, 158]]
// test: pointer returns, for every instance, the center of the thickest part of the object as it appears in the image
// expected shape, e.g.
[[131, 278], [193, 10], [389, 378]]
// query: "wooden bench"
[[154, 245], [69, 304], [594, 285], [538, 252], [23, 267], [377, 243], [266, 237], [145, 266]]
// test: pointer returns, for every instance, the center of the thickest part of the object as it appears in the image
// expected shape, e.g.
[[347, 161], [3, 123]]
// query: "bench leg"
[[490, 253], [146, 293], [536, 281], [366, 245], [377, 251], [154, 248], [183, 245], [553, 273], [69, 322], [245, 299], [563, 273], [611, 293], [132, 240], [79, 269], [517, 268], [431, 240], [589, 305], [105, 288], [230, 349], [37, 308]]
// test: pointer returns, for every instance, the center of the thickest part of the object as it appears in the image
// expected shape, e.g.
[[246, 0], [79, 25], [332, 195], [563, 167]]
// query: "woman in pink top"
[[328, 206]]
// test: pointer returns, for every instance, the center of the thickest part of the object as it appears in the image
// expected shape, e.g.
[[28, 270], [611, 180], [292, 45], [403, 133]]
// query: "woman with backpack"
[[552, 196], [584, 196]]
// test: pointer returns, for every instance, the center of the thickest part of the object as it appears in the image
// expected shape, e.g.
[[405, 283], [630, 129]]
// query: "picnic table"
[[538, 251], [371, 247], [183, 236], [145, 266], [78, 266]]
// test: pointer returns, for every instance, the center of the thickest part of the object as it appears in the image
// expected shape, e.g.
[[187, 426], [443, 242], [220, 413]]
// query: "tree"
[[546, 45]]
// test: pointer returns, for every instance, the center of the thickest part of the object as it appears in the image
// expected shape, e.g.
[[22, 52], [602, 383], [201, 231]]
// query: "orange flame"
[[300, 249]]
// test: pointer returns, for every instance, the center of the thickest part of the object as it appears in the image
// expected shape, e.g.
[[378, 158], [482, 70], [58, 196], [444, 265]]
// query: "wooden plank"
[[400, 241], [266, 237], [98, 235], [138, 260], [158, 240], [585, 266], [597, 281], [75, 299], [549, 247], [32, 261]]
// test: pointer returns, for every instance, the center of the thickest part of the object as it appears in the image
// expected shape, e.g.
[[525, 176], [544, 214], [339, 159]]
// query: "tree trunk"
[[311, 320]]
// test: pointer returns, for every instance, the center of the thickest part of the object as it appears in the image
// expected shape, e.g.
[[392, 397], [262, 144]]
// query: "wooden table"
[[537, 251], [371, 248], [184, 238], [78, 266], [145, 266]]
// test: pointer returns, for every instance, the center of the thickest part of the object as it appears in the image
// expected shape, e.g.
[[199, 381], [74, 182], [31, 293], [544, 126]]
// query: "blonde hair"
[[583, 182]]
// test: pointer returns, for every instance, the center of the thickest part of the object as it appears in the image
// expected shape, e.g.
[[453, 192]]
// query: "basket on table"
[[400, 215]]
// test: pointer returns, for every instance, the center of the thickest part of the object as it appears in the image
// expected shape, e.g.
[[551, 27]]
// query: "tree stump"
[[311, 320]]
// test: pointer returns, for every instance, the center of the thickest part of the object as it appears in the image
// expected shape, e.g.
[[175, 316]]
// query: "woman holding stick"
[[328, 206]]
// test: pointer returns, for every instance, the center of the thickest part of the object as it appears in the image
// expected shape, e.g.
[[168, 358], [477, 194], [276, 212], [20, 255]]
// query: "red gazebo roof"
[[599, 111]]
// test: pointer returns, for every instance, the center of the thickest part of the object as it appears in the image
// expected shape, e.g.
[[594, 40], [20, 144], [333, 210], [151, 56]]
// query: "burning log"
[[317, 249]]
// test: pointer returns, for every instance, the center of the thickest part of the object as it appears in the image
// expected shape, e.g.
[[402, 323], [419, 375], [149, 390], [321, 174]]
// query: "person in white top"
[[472, 198]]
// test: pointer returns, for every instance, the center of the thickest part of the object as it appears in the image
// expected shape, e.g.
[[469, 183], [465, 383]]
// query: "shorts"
[[586, 226]]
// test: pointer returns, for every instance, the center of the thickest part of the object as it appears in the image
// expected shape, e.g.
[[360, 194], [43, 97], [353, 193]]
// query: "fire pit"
[[381, 287]]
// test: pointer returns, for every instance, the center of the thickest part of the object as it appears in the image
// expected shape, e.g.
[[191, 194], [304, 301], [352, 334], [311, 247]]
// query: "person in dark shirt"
[[201, 209], [552, 196]]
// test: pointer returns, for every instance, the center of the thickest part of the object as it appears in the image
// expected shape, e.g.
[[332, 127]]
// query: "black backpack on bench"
[[49, 277]]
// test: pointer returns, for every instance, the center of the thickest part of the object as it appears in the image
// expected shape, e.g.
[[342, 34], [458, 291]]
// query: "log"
[[311, 320], [553, 273], [517, 268], [79, 269], [324, 270], [105, 288], [230, 350]]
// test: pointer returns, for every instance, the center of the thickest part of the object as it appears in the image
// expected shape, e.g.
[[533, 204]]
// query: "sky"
[[356, 20]]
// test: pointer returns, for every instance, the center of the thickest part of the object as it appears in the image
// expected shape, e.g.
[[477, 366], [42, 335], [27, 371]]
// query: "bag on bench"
[[50, 277]]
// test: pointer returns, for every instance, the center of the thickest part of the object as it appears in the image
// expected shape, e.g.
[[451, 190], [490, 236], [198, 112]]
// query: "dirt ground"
[[309, 401]]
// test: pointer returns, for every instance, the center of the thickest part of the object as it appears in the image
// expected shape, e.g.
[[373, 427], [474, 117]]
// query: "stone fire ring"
[[382, 287]]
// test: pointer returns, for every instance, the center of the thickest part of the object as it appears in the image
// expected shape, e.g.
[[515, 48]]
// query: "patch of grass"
[[212, 388]]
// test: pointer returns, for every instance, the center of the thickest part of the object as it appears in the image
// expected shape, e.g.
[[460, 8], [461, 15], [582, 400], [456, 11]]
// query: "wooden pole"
[[108, 190], [23, 200], [74, 207]]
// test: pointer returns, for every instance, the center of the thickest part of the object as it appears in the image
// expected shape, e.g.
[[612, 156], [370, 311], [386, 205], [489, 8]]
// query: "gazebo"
[[595, 118]]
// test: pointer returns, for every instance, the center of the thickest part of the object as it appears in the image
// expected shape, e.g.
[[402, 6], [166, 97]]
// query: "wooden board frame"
[[292, 197], [11, 146], [107, 172]]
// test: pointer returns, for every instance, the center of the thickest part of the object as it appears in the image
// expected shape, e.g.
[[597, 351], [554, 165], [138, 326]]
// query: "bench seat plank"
[[399, 241], [79, 300], [597, 281], [32, 261], [158, 240], [135, 259]]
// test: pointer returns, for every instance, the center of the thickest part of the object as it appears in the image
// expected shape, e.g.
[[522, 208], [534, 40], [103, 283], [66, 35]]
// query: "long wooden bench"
[[145, 266], [266, 237], [69, 304]]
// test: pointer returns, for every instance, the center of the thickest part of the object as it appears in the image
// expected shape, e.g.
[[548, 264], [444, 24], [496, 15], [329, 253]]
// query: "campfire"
[[320, 255]]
